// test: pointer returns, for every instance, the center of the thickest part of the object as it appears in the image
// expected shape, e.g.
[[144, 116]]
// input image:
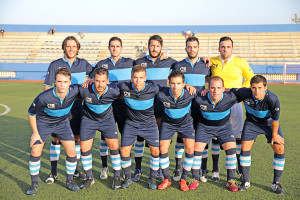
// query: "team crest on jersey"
[[105, 66], [203, 107], [126, 94], [183, 69], [144, 64], [276, 109], [88, 99], [215, 65], [166, 104], [51, 106]]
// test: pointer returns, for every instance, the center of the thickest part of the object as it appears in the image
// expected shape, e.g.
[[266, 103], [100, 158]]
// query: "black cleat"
[[80, 174], [126, 183], [33, 189], [152, 183], [244, 186], [51, 178], [116, 183], [87, 183], [277, 188], [71, 185]]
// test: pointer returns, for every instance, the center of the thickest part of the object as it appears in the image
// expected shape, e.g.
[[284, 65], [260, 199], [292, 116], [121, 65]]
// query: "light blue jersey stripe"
[[98, 109], [215, 115], [256, 113], [178, 113], [157, 73], [195, 79], [139, 104], [119, 74], [58, 113]]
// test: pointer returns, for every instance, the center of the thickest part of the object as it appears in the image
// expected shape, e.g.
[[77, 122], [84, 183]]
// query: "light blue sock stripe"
[[205, 152], [230, 159], [139, 145], [178, 153], [103, 150], [153, 165], [278, 165], [230, 164], [71, 165], [86, 165], [36, 165], [34, 171], [138, 151], [213, 149], [54, 155], [245, 161], [70, 171], [197, 160], [187, 164], [54, 147], [103, 144], [126, 162], [280, 159], [116, 165], [164, 163]]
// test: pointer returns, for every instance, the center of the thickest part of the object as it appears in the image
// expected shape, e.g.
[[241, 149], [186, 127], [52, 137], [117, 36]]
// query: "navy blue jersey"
[[157, 71], [79, 70], [139, 104], [259, 111], [119, 71], [215, 115], [98, 107], [52, 109], [177, 112], [194, 74]]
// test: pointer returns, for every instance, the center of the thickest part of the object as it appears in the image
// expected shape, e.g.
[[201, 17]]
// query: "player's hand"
[[35, 137], [163, 56], [206, 61], [278, 139], [190, 89], [204, 92], [87, 83]]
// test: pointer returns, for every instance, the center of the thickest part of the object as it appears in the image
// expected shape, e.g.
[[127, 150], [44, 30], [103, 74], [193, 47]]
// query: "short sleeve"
[[35, 107]]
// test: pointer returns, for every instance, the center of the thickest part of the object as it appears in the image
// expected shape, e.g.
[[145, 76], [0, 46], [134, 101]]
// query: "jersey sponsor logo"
[[203, 107], [88, 99], [105, 66], [166, 104], [144, 64], [51, 106], [126, 94], [183, 69], [276, 109]]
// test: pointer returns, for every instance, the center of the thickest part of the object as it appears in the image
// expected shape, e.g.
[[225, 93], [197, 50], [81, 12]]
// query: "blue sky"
[[150, 12]]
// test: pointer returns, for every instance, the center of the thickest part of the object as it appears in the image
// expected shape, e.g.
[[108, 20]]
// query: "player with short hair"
[[214, 122], [49, 114], [158, 70], [119, 69], [98, 115], [232, 70], [195, 72], [176, 102], [139, 97], [80, 69], [262, 117]]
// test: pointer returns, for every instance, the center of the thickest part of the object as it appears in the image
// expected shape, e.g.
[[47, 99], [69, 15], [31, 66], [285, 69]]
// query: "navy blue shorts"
[[252, 130], [61, 130], [89, 127], [205, 133], [130, 134], [167, 131]]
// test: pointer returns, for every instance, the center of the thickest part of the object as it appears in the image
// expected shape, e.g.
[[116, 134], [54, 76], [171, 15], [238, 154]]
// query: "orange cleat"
[[193, 185], [232, 186], [183, 186], [166, 183]]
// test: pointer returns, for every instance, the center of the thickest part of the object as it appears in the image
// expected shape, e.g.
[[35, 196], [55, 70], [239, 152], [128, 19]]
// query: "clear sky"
[[149, 12]]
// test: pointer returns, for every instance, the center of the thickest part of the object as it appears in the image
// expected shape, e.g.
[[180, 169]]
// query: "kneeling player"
[[98, 115], [49, 114], [214, 121], [262, 115], [176, 102]]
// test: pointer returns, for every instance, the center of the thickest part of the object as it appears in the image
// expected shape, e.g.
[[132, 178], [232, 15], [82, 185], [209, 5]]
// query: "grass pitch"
[[15, 134]]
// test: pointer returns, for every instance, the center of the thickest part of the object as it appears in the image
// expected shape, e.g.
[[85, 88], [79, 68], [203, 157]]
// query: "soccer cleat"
[[116, 183], [87, 183], [183, 186], [244, 186], [232, 186], [51, 178], [166, 183], [80, 174], [193, 184], [137, 175], [126, 183], [71, 185], [203, 177], [177, 174], [215, 176], [104, 173], [33, 189], [277, 188], [152, 183], [159, 174]]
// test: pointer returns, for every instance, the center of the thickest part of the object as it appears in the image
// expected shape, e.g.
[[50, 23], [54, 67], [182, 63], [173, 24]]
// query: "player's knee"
[[190, 150], [279, 149], [36, 152], [155, 152], [114, 146]]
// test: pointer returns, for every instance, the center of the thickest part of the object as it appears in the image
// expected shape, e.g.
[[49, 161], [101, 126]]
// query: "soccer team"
[[151, 99]]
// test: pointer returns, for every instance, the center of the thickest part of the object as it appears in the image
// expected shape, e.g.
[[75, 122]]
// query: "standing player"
[[139, 97], [232, 70], [176, 118], [214, 122], [157, 71], [119, 69], [98, 115], [195, 72], [80, 69], [262, 117], [49, 114]]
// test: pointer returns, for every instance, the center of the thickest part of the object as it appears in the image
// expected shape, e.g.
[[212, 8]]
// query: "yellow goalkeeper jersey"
[[232, 72]]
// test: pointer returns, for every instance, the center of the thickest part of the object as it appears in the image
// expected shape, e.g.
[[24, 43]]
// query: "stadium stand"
[[260, 49]]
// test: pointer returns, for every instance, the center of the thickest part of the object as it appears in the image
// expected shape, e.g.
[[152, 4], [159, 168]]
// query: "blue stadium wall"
[[37, 71]]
